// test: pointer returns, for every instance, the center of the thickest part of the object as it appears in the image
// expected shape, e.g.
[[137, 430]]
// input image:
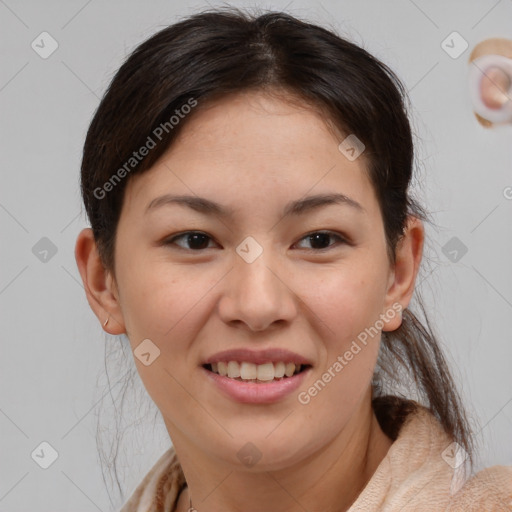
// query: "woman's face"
[[254, 280]]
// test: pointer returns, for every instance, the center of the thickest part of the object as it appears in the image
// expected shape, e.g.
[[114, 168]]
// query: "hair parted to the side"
[[222, 51]]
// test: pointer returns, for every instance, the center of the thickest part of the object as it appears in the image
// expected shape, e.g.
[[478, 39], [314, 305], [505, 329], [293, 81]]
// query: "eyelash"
[[341, 240]]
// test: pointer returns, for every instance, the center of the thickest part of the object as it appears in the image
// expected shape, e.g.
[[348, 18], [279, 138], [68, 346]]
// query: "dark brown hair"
[[223, 51]]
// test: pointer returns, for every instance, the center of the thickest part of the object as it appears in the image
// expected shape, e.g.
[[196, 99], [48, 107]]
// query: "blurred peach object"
[[492, 92], [494, 86]]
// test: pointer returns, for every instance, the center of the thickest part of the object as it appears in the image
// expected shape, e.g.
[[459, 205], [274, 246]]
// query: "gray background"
[[52, 364]]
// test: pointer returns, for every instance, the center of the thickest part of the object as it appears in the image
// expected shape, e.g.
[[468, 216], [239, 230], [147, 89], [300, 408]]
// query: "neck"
[[330, 479]]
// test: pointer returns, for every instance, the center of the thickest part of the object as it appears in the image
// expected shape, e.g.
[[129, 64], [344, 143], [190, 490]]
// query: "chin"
[[261, 448]]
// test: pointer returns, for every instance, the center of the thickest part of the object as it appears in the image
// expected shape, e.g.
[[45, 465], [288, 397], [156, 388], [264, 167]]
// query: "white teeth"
[[266, 371], [290, 368], [252, 372], [233, 369], [248, 371], [222, 368], [279, 369]]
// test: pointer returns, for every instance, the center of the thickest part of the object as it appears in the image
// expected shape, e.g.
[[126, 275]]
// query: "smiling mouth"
[[258, 373]]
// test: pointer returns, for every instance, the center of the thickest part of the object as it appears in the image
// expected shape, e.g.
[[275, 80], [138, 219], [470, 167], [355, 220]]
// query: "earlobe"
[[409, 252], [99, 285]]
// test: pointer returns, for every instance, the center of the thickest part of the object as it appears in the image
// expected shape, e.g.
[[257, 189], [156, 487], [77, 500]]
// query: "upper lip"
[[273, 355]]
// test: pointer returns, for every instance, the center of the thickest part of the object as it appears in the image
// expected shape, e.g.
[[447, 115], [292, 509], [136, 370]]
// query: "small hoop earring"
[[106, 321]]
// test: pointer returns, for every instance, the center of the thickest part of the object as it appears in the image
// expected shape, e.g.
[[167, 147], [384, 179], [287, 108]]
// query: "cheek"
[[162, 303], [347, 299], [348, 304], [156, 296], [348, 307], [169, 305]]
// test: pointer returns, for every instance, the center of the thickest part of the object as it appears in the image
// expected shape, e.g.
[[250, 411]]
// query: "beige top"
[[417, 474]]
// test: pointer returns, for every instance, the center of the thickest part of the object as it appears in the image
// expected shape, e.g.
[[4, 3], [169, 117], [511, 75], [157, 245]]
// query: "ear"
[[100, 287], [409, 252]]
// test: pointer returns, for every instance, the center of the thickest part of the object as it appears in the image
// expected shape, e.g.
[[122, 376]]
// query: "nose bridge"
[[257, 294], [253, 263]]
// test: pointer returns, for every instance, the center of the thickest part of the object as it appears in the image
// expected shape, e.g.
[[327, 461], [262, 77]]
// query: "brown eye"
[[320, 240], [196, 240]]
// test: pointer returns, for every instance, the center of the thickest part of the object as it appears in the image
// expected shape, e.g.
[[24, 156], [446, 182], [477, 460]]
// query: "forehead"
[[258, 144], [270, 124]]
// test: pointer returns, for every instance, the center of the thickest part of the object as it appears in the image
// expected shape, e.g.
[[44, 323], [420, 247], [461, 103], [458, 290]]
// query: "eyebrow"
[[298, 207]]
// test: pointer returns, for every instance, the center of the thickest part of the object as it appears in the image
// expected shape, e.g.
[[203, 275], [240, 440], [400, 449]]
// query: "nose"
[[258, 294]]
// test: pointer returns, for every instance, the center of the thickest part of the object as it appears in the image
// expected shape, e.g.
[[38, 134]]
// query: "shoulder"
[[419, 472], [488, 490], [160, 488]]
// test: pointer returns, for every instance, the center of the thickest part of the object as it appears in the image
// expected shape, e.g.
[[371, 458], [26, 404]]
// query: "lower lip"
[[254, 392]]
